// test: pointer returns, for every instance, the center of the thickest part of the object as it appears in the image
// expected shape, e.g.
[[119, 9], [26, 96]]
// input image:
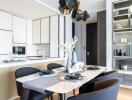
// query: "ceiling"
[[35, 9], [92, 6], [26, 8], [89, 5]]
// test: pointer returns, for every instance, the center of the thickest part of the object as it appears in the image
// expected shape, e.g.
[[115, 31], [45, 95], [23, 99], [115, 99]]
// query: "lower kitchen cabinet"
[[120, 77], [128, 79], [125, 79]]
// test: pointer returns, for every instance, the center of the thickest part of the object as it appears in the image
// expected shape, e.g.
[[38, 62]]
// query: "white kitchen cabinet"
[[54, 36], [45, 30], [61, 35], [5, 21], [19, 30], [5, 42], [36, 36]]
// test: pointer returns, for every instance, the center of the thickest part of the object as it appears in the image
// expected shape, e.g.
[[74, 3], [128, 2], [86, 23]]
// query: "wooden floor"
[[124, 94]]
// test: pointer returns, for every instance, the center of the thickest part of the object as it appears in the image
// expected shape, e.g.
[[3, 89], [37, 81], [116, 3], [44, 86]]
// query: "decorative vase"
[[74, 58], [71, 60]]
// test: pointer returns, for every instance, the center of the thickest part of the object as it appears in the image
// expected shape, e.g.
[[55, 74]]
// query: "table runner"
[[40, 84]]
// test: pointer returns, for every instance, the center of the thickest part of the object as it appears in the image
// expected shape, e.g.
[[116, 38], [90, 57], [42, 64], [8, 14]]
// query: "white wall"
[[68, 28], [109, 32]]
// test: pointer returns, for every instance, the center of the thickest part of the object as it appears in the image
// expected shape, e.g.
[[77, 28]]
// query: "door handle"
[[88, 53]]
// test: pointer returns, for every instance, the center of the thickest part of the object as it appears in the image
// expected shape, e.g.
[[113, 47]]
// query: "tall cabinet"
[[54, 36], [41, 31], [122, 40], [36, 32], [50, 31], [19, 30], [45, 30], [5, 33], [5, 21]]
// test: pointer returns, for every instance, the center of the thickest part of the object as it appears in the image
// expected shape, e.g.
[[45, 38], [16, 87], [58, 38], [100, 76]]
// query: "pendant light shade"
[[68, 6]]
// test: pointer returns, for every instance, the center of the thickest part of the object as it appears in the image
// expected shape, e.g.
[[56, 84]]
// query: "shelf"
[[122, 42], [120, 20], [122, 29], [122, 57], [124, 8], [122, 32], [120, 1], [125, 86], [120, 15]]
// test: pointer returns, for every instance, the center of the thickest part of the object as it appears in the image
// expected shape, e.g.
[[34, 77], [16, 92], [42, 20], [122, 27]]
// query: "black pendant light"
[[68, 6]]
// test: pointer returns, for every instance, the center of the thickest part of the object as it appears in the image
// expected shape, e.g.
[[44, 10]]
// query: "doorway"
[[91, 44], [96, 41]]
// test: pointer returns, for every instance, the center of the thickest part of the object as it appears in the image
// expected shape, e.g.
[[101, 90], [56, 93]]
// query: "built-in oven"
[[19, 50]]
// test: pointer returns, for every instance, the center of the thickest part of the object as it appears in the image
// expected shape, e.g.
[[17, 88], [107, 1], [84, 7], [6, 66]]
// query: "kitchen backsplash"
[[32, 49]]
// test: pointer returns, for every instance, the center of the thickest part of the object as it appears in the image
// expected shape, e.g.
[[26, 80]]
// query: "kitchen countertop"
[[28, 62]]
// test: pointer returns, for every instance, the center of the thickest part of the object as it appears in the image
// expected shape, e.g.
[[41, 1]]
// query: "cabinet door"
[[45, 30], [5, 21], [5, 42], [19, 30], [36, 32], [120, 77], [61, 35], [128, 79], [54, 36]]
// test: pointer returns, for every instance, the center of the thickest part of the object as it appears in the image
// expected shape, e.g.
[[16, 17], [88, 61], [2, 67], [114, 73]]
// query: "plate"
[[46, 72]]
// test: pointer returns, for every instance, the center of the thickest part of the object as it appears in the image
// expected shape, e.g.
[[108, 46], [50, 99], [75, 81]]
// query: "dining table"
[[56, 82]]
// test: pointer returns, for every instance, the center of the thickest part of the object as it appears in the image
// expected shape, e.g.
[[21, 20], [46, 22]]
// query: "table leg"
[[25, 94], [62, 96]]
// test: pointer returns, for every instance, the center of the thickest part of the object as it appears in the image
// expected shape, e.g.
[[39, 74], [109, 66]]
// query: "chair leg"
[[74, 92], [52, 97], [48, 97]]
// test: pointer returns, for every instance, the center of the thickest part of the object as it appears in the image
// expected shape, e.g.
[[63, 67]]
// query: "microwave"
[[19, 51]]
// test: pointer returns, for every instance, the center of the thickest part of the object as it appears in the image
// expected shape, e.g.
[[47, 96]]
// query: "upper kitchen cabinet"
[[61, 35], [45, 30], [5, 21], [54, 34], [36, 32], [5, 42], [19, 30]]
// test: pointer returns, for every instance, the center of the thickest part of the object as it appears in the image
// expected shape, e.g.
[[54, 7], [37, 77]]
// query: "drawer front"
[[120, 77], [128, 79]]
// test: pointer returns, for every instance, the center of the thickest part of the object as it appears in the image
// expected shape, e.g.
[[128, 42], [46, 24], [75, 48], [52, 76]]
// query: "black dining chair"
[[88, 87], [104, 90], [33, 95], [51, 66]]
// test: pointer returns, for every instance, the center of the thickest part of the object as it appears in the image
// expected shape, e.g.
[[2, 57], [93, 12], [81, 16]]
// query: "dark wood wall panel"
[[101, 35]]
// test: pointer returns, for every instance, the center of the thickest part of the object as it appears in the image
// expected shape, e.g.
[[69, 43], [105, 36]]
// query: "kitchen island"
[[8, 89]]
